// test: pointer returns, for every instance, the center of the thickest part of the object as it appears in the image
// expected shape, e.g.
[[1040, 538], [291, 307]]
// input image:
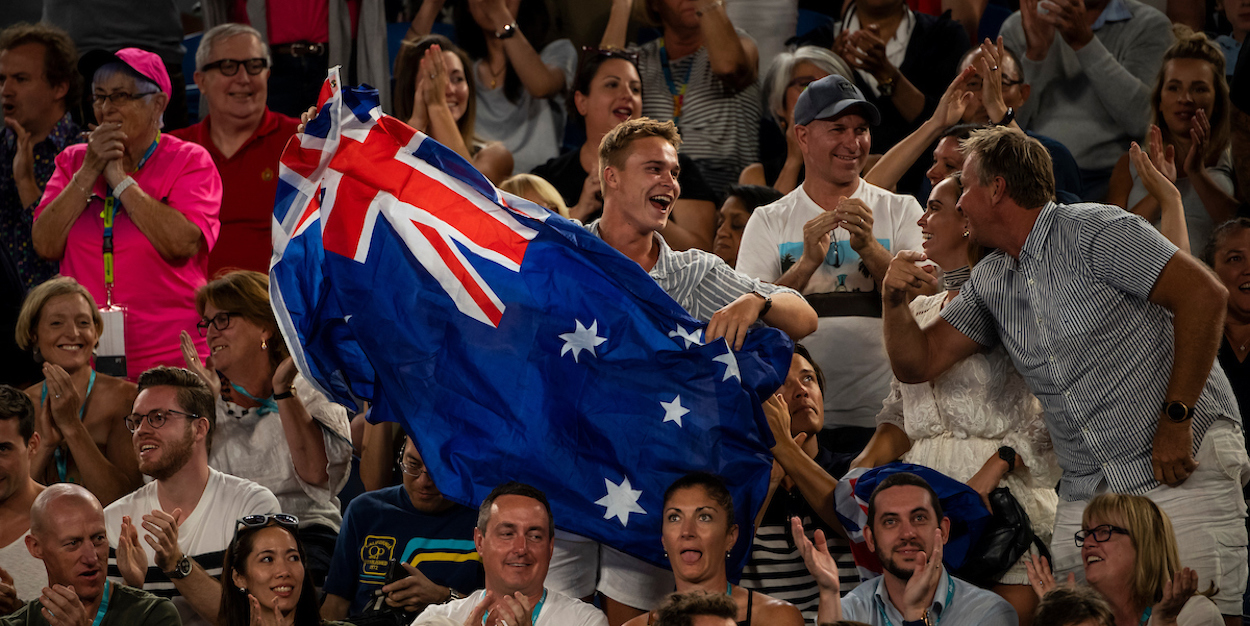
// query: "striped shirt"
[[719, 126], [1073, 313], [701, 282]]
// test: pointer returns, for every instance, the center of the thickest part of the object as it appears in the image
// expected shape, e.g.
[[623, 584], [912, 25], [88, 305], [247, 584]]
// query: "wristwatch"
[[886, 87], [507, 31], [1177, 411], [181, 570], [768, 303], [1008, 454], [1007, 117], [452, 595]]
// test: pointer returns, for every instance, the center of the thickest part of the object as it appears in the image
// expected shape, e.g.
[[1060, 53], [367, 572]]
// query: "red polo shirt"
[[250, 181]]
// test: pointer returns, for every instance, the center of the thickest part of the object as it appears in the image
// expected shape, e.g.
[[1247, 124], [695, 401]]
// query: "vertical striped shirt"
[[701, 282], [1073, 312]]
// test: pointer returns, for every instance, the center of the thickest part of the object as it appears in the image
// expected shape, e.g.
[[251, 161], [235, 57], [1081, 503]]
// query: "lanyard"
[[267, 405], [950, 593], [110, 211], [62, 462], [538, 608], [104, 606], [678, 93], [1145, 616]]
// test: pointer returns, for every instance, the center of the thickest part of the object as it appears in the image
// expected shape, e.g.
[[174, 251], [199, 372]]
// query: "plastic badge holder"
[[111, 356]]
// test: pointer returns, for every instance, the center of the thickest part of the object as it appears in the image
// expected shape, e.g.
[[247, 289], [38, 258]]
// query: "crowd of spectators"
[[1013, 239]]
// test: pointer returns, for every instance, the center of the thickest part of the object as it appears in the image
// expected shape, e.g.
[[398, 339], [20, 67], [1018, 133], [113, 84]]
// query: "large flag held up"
[[510, 342]]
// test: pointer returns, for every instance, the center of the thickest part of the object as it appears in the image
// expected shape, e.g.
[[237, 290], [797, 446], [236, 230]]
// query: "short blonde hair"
[[28, 319], [618, 140], [529, 184], [1150, 530], [1018, 159]]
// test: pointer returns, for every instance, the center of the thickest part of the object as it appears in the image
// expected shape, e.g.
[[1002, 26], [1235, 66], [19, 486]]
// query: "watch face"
[[1177, 412]]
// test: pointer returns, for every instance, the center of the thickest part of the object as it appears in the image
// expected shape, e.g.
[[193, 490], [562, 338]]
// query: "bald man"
[[67, 534]]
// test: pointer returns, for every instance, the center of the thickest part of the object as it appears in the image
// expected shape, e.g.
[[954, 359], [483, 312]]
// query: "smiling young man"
[[832, 239], [37, 78], [187, 513], [638, 171], [67, 534], [245, 139], [427, 536], [906, 530], [514, 537]]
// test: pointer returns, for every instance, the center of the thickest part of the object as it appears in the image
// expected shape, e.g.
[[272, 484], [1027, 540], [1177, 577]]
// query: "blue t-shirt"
[[383, 524]]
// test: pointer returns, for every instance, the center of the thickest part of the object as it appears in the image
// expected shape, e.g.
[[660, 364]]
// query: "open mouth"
[[1244, 287], [623, 113], [69, 346], [690, 557], [218, 348], [283, 591], [661, 202]]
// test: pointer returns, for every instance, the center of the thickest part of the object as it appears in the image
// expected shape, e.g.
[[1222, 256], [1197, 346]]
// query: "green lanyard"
[[62, 462], [104, 606], [110, 211], [678, 93], [950, 593]]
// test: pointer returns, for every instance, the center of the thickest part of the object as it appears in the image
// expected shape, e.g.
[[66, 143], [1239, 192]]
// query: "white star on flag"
[[582, 339], [674, 410], [731, 365], [692, 338], [620, 501]]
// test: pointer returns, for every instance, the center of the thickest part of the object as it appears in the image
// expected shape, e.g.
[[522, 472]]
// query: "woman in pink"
[[132, 214]]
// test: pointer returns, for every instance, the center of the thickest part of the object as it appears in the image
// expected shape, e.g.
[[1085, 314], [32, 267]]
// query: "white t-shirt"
[[558, 610], [1198, 611], [29, 574], [850, 350], [202, 536]]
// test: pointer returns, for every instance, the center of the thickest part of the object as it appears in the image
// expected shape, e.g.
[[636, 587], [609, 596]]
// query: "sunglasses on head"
[[259, 521]]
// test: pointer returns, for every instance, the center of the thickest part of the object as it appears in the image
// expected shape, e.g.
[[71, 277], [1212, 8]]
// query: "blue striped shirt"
[[1073, 313]]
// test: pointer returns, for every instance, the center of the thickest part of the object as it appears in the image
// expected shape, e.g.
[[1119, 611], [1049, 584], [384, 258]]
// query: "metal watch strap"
[[507, 31]]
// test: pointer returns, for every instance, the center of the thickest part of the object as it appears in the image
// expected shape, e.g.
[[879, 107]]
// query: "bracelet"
[[289, 393], [122, 186], [507, 31], [85, 190]]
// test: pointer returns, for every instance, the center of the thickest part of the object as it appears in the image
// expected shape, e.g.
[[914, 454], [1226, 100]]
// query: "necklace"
[[494, 76], [1229, 337]]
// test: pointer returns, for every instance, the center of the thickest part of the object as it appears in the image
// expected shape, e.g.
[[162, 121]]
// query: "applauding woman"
[[265, 579], [273, 427], [80, 413]]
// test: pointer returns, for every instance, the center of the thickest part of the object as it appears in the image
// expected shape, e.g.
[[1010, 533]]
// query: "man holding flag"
[[639, 167], [518, 344]]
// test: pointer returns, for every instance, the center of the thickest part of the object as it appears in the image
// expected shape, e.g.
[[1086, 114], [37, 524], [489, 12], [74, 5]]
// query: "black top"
[[565, 173]]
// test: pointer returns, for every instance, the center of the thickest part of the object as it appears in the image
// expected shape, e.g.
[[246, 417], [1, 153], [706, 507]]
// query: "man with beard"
[[906, 530], [67, 534], [189, 511]]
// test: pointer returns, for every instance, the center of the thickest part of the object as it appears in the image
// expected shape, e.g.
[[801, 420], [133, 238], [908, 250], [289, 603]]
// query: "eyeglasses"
[[155, 419], [118, 98], [221, 321], [1101, 534], [257, 521], [230, 67], [415, 470]]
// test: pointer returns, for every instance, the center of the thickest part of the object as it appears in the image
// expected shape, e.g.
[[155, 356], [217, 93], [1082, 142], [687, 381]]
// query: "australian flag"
[[510, 343]]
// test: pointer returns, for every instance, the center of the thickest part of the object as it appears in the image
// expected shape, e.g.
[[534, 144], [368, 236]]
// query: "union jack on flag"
[[510, 342]]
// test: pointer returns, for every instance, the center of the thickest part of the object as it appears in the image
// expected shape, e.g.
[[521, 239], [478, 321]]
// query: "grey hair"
[[777, 80], [225, 31], [142, 83]]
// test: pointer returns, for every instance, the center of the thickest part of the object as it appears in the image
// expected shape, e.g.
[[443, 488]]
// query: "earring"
[[666, 554], [242, 589], [965, 234], [264, 345]]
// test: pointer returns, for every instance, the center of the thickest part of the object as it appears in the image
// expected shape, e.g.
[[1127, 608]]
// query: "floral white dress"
[[959, 420]]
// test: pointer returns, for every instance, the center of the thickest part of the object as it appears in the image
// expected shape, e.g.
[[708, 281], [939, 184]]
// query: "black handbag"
[[1006, 538]]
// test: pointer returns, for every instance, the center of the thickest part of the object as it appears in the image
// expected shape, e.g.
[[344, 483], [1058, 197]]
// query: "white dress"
[[959, 420]]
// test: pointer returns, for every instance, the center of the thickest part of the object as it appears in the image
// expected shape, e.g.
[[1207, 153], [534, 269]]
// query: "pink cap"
[[149, 65]]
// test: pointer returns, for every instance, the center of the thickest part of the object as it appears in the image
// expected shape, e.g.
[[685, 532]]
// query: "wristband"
[[122, 186], [289, 393]]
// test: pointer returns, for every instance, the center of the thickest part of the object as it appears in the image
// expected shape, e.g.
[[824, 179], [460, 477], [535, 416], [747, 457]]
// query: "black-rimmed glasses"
[[221, 321], [1101, 534], [230, 67], [155, 419], [118, 98]]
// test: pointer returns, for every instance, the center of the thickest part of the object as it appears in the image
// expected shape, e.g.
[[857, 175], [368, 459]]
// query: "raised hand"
[[477, 616], [1039, 34], [956, 100], [284, 376], [1176, 593], [1199, 134], [131, 558], [203, 369], [63, 399], [778, 414], [816, 557], [1164, 159], [906, 276], [918, 594], [8, 594], [1068, 17], [105, 143], [61, 606], [162, 530]]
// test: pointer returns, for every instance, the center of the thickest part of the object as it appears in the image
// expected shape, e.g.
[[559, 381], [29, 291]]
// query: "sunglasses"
[[260, 521], [610, 53]]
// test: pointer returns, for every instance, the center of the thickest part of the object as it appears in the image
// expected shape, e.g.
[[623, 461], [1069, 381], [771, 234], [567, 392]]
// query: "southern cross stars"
[[731, 365], [621, 500], [691, 338], [674, 410], [582, 339]]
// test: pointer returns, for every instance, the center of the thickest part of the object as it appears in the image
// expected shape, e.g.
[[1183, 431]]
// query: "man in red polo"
[[245, 139]]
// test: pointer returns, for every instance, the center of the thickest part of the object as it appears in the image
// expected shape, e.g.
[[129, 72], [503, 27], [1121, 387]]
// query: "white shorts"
[[1208, 516], [574, 567]]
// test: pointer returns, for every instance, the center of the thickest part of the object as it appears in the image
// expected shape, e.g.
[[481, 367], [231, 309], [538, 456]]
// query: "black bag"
[[1005, 539]]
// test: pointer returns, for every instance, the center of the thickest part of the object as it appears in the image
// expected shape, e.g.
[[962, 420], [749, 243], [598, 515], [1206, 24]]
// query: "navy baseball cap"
[[829, 97]]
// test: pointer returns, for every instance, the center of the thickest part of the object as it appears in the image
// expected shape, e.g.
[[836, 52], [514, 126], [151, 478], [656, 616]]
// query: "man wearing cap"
[[160, 196], [832, 239]]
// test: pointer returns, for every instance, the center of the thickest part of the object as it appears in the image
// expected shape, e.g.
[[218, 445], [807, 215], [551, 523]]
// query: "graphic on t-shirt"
[[375, 554], [841, 258]]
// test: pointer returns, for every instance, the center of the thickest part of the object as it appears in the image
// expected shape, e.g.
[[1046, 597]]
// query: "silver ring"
[[994, 69], [55, 396]]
